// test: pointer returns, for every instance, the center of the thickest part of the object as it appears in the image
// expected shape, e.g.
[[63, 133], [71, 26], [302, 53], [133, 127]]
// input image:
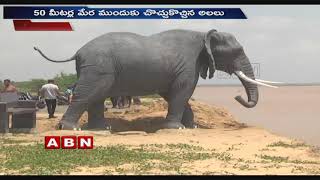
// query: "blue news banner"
[[84, 12]]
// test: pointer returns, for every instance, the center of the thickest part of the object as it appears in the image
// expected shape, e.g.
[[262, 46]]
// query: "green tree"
[[30, 86], [64, 80]]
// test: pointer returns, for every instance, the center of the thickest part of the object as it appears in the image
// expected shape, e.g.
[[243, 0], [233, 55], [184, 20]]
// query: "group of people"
[[49, 92]]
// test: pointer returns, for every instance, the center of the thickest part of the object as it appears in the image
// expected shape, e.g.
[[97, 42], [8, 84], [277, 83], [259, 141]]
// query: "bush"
[[63, 80], [30, 86]]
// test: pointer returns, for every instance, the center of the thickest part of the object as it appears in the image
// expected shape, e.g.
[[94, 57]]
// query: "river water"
[[291, 111]]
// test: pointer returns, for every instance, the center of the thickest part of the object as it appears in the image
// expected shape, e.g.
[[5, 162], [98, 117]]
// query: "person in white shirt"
[[50, 92]]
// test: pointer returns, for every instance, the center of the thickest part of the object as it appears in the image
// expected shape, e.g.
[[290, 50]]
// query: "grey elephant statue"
[[168, 63]]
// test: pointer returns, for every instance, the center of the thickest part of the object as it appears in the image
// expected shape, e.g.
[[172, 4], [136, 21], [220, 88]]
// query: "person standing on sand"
[[69, 92], [50, 92], [8, 87]]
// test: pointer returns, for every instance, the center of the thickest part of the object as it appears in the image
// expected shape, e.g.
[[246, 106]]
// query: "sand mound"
[[150, 116], [208, 116]]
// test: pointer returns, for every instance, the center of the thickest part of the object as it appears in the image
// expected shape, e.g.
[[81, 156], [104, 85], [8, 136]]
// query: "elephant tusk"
[[272, 82], [241, 75]]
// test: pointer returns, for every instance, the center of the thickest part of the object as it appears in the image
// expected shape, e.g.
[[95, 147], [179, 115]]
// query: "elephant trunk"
[[251, 88]]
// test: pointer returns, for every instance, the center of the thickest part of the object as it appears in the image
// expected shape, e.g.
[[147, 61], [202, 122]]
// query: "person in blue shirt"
[[69, 92]]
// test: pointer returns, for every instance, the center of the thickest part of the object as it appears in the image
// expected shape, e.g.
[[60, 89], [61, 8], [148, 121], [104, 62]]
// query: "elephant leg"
[[120, 102], [72, 115], [96, 118], [168, 124], [129, 101], [188, 117], [91, 88], [177, 99], [114, 102], [125, 101]]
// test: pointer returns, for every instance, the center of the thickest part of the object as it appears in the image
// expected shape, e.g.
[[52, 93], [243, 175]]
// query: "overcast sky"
[[283, 40]]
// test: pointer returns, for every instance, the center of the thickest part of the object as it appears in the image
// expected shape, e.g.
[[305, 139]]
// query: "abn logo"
[[68, 142]]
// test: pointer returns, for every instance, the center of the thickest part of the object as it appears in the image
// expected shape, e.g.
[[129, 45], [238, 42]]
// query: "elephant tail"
[[43, 55]]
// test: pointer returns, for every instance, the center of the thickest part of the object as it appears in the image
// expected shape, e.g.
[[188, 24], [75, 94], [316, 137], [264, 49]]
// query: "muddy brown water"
[[289, 110]]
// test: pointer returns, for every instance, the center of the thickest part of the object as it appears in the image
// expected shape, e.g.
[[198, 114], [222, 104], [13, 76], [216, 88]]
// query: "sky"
[[282, 42]]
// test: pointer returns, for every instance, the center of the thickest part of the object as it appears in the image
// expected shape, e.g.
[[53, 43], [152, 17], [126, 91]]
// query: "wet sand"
[[289, 110]]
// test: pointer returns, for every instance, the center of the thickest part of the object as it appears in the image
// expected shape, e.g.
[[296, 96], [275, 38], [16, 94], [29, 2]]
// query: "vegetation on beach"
[[63, 80], [23, 156], [34, 159], [287, 145]]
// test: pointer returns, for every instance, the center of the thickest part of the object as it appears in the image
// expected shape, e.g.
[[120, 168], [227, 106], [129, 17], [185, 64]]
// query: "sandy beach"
[[222, 144]]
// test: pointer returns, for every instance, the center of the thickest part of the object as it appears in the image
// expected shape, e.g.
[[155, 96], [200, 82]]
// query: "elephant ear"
[[211, 63]]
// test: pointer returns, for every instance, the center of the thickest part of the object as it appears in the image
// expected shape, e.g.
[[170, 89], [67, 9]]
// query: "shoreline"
[[240, 85]]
